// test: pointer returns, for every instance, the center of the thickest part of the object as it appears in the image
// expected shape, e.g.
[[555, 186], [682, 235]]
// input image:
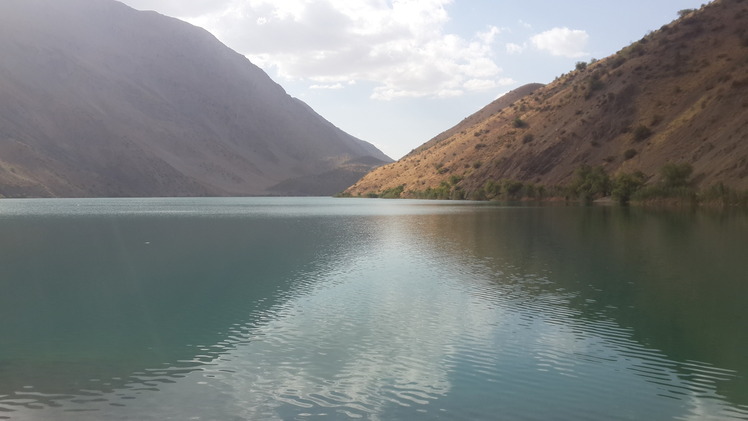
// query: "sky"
[[396, 73]]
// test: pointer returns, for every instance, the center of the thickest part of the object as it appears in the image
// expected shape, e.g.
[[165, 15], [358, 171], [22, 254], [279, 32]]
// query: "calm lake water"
[[321, 308]]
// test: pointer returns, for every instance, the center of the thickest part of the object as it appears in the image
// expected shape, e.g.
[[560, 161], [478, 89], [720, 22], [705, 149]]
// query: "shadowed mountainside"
[[98, 99], [678, 95]]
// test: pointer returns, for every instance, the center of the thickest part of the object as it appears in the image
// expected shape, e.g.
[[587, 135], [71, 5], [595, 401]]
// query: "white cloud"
[[335, 86], [400, 45], [562, 42], [480, 84], [506, 81], [489, 36], [180, 8], [512, 48]]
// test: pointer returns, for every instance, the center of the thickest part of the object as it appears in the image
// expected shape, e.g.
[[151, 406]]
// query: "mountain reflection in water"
[[337, 309]]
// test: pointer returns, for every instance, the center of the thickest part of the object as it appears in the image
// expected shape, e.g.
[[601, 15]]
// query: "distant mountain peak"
[[98, 99]]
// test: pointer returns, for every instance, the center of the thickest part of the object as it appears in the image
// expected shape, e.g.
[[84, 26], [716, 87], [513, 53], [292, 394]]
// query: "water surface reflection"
[[373, 309], [674, 281]]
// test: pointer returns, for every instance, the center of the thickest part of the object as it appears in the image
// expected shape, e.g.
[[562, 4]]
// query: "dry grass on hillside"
[[678, 95]]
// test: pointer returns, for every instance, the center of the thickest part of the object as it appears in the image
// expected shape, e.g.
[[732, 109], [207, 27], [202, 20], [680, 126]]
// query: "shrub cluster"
[[508, 189], [393, 193], [519, 123], [642, 132], [445, 191], [626, 185], [590, 183], [594, 83], [675, 184]]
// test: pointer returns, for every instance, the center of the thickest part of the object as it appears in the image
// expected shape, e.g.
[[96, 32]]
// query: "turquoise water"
[[321, 308]]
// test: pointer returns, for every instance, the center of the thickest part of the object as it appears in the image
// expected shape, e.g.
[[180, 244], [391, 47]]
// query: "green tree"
[[393, 193], [625, 185], [676, 175], [590, 183], [685, 12], [513, 189], [491, 189]]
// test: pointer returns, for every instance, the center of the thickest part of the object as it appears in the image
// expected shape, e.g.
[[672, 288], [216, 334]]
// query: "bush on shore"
[[674, 186]]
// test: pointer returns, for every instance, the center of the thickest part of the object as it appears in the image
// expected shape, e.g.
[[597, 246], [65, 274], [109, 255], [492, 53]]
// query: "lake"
[[323, 308]]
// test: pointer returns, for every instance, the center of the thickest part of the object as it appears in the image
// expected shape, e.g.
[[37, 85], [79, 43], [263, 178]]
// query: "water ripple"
[[391, 324]]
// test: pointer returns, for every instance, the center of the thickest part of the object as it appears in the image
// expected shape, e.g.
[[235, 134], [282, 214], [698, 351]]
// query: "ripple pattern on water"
[[387, 324]]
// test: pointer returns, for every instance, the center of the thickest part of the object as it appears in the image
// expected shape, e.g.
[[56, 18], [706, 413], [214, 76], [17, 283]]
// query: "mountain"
[[98, 99], [677, 96]]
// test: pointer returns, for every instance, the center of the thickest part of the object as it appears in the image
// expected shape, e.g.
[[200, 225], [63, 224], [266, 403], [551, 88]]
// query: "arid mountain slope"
[[679, 95], [494, 107], [98, 99]]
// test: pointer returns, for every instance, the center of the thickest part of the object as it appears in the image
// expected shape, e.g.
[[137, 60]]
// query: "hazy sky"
[[398, 72]]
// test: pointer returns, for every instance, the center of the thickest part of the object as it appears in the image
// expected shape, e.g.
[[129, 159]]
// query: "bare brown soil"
[[678, 95]]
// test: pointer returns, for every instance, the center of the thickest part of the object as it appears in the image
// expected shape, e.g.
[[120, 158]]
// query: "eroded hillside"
[[678, 95]]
